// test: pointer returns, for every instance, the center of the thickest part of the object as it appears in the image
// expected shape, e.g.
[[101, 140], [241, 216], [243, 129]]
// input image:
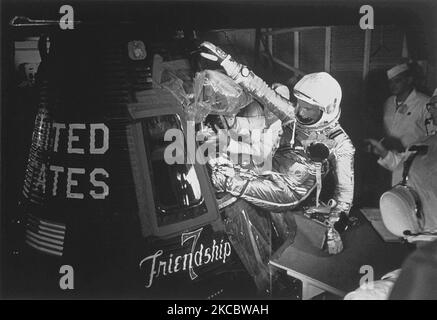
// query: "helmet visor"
[[307, 113]]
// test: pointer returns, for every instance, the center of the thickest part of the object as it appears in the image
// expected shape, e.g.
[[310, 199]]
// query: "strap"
[[251, 237], [318, 181], [407, 166], [243, 190], [293, 134]]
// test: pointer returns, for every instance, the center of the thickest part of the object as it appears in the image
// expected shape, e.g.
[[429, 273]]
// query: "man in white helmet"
[[416, 279], [423, 171], [310, 126]]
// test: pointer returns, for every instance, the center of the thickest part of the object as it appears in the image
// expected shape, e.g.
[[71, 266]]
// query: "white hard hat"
[[322, 90], [400, 207]]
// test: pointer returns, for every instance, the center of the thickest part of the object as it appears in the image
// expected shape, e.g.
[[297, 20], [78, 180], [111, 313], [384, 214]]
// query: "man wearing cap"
[[416, 279], [312, 124], [423, 172], [405, 115]]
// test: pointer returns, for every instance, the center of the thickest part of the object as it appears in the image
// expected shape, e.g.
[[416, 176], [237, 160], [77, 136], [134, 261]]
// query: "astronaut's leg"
[[273, 192]]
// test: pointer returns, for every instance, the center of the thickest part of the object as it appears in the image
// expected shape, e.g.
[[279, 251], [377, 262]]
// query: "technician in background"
[[405, 114], [422, 175], [418, 276], [406, 119]]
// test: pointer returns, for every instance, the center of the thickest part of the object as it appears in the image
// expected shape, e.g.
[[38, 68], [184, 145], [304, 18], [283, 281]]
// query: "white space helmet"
[[322, 90]]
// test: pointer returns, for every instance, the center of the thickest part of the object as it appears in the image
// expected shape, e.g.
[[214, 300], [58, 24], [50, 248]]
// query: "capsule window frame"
[[141, 171]]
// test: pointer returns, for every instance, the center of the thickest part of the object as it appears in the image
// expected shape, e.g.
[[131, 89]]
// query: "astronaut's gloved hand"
[[221, 169], [339, 215], [342, 222], [222, 164], [281, 107], [214, 53], [334, 243], [206, 133], [218, 180], [339, 206]]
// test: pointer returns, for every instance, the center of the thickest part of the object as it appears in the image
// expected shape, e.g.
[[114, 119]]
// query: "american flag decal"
[[45, 236]]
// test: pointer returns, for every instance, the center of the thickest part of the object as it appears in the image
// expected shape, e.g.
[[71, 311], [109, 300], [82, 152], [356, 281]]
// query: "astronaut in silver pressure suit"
[[312, 121]]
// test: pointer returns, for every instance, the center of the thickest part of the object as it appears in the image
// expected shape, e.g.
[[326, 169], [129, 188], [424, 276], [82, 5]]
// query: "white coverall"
[[407, 123], [421, 177]]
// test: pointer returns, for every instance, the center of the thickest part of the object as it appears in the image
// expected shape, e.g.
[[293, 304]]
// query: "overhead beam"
[[284, 64], [288, 30]]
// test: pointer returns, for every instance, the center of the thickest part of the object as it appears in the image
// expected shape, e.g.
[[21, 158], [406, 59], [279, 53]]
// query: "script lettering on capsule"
[[162, 265]]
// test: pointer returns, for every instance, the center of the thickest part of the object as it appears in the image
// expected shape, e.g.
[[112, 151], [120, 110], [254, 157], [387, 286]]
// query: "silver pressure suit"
[[294, 173]]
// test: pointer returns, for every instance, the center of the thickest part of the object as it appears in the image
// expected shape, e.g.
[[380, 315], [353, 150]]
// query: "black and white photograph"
[[237, 151]]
